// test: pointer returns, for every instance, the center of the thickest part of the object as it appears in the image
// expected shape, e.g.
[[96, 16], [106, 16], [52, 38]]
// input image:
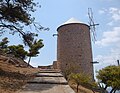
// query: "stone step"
[[46, 88], [49, 80], [49, 75], [49, 71]]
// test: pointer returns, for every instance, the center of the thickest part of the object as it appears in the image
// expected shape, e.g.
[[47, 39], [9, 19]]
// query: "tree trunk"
[[112, 90], [29, 61], [105, 87], [93, 91], [77, 87]]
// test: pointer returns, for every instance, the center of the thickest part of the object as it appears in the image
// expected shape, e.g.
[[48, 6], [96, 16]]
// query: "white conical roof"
[[72, 20]]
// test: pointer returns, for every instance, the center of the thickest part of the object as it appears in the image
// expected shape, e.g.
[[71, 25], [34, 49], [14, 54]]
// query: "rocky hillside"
[[13, 60], [14, 73]]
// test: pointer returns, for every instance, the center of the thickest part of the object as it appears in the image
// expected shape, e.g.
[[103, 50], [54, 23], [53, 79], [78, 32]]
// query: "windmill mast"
[[92, 25]]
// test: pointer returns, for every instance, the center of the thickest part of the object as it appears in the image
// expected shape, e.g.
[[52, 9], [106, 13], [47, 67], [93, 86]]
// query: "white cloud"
[[107, 60], [110, 37], [115, 12], [116, 17], [110, 58], [110, 23], [101, 11]]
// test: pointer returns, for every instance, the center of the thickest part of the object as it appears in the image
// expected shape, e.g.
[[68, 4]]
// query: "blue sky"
[[52, 13]]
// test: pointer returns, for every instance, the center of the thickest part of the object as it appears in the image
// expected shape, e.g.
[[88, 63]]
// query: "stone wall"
[[74, 48]]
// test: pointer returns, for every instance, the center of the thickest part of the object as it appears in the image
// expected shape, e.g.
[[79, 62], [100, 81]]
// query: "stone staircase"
[[47, 81]]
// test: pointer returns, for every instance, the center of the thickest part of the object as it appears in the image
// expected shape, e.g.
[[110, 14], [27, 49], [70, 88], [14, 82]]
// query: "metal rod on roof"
[[118, 62], [55, 35], [94, 62]]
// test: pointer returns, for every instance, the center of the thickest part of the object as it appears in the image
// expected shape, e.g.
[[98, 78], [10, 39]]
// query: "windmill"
[[92, 25]]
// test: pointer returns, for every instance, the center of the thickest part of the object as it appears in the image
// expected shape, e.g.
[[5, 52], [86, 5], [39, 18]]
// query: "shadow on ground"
[[38, 87], [14, 75]]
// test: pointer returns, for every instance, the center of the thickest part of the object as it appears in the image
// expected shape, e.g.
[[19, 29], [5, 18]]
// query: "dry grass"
[[81, 89], [13, 78]]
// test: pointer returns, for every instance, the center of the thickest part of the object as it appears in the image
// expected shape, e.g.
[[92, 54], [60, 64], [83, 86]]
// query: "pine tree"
[[18, 51], [15, 17], [34, 49], [110, 77], [4, 45]]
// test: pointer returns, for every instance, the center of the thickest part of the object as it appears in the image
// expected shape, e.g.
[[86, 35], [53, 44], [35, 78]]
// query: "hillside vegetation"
[[12, 78]]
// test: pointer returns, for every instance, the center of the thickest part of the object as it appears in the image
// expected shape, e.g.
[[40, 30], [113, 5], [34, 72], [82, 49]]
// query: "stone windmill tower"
[[74, 47]]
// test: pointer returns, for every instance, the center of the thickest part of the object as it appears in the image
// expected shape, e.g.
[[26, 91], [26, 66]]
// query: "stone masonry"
[[74, 47]]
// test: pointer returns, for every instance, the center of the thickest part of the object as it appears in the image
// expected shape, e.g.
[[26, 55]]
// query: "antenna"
[[92, 24]]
